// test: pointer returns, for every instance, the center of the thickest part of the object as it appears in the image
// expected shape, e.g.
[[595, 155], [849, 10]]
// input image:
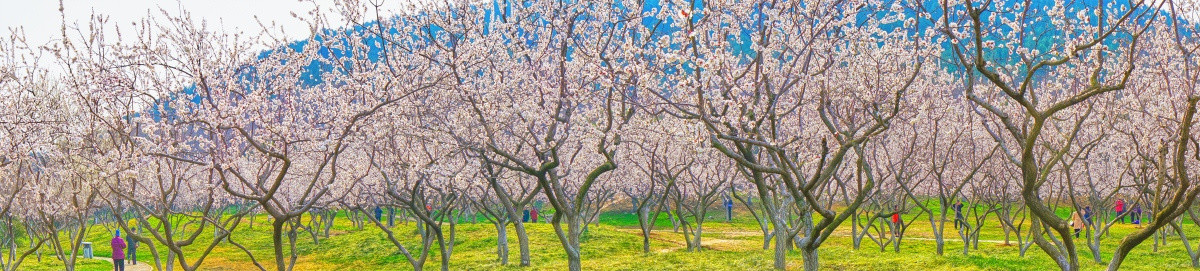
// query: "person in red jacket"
[[895, 222], [533, 214], [118, 255], [1119, 207]]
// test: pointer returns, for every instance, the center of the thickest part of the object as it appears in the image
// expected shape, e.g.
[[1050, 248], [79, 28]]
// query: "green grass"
[[49, 263], [616, 245]]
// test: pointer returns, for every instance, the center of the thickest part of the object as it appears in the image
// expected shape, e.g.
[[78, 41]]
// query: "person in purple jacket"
[[118, 255]]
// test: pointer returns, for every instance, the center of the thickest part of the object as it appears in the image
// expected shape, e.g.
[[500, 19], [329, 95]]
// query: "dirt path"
[[141, 266]]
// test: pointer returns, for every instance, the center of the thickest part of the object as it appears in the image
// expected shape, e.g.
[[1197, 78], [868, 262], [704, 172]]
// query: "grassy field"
[[615, 244]]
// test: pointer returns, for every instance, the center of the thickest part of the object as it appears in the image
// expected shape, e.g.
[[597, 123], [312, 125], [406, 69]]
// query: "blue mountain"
[[1043, 36]]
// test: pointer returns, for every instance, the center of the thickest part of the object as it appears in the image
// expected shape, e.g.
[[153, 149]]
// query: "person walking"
[[118, 254], [133, 244], [728, 209], [525, 216], [533, 214], [1119, 208], [1077, 222]]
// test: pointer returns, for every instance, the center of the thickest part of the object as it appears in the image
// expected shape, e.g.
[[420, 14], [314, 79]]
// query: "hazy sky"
[[41, 19]]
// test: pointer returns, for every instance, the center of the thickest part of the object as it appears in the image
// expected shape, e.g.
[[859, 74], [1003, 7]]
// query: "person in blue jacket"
[[728, 209], [133, 244]]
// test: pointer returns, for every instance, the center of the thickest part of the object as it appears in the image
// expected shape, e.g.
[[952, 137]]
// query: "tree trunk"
[[1195, 260], [445, 248], [1132, 240], [939, 230], [965, 235], [644, 223], [170, 259], [854, 231], [645, 241], [1117, 258], [810, 259], [523, 241], [391, 217], [782, 244], [674, 223], [1094, 246], [330, 216], [1006, 234], [767, 235], [941, 244], [573, 259], [502, 242], [570, 238], [277, 241]]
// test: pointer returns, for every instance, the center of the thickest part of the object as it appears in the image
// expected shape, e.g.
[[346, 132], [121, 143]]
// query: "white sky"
[[41, 19]]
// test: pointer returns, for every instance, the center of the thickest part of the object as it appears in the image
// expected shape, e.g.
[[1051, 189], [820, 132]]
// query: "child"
[[1136, 214]]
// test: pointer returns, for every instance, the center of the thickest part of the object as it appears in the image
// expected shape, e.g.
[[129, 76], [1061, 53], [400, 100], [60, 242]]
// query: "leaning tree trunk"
[[1094, 246], [1193, 254], [646, 226], [571, 246], [522, 241]]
